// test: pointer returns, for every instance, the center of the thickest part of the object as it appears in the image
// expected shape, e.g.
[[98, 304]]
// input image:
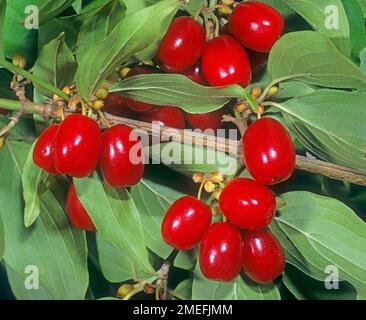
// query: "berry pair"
[[184, 44], [252, 26], [224, 61], [71, 148], [224, 251], [76, 146]]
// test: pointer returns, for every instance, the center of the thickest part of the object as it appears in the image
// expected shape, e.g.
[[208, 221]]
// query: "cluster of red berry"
[[248, 204], [76, 147], [242, 240], [222, 61]]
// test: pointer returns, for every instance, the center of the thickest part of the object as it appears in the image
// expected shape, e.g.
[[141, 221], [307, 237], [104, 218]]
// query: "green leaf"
[[362, 4], [115, 265], [116, 218], [33, 180], [357, 26], [177, 90], [90, 6], [193, 6], [69, 25], [16, 281], [2, 239], [239, 289], [305, 288], [16, 37], [311, 54], [24, 130], [77, 6], [136, 5], [188, 159], [52, 29], [363, 60], [2, 20], [56, 249], [327, 17], [55, 64], [292, 89], [331, 124], [133, 34], [184, 289], [326, 233], [152, 201], [98, 26], [49, 9]]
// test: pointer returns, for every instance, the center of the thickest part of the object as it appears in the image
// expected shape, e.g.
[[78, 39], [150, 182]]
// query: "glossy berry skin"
[[195, 73], [76, 212], [166, 116], [225, 62], [263, 258], [117, 105], [269, 152], [248, 204], [204, 121], [256, 25], [182, 44], [220, 252], [185, 223], [77, 146], [137, 106], [44, 150], [121, 160]]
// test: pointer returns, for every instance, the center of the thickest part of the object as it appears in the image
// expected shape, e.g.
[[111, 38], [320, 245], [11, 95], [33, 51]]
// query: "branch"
[[234, 148], [29, 107], [231, 147], [331, 170]]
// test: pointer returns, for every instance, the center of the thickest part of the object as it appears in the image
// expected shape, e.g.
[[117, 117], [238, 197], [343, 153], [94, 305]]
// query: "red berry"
[[269, 152], [248, 204], [117, 105], [121, 160], [204, 121], [166, 116], [3, 111], [256, 25], [77, 146], [138, 106], [263, 258], [219, 254], [77, 214], [195, 74], [185, 223], [182, 44], [44, 150], [225, 62]]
